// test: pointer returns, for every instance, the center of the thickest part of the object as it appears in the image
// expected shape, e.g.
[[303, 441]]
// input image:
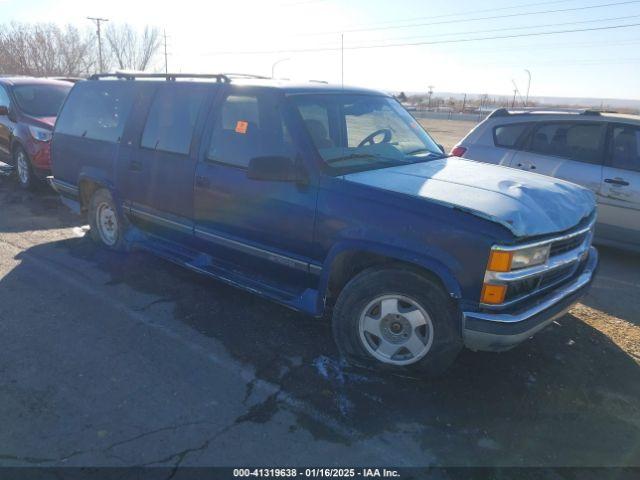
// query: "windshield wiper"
[[353, 156], [422, 150]]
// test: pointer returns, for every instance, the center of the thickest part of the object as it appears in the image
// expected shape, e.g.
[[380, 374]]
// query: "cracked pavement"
[[114, 360]]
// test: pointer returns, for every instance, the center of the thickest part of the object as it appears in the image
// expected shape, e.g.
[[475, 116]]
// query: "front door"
[[262, 227], [619, 215], [159, 165]]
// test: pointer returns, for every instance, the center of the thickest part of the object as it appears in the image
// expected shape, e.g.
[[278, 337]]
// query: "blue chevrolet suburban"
[[332, 201]]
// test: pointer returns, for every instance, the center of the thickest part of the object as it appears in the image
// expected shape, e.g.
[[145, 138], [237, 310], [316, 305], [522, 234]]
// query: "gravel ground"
[[110, 359], [447, 132]]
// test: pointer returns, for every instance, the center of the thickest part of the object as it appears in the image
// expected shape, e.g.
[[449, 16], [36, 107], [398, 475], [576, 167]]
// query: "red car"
[[28, 110]]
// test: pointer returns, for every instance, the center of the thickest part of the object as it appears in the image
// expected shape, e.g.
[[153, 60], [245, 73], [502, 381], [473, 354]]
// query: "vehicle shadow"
[[569, 396], [39, 209]]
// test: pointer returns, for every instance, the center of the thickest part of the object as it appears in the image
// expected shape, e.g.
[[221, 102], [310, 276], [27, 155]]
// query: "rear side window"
[[576, 141], [625, 147], [249, 126], [508, 135], [4, 97], [172, 118], [97, 110]]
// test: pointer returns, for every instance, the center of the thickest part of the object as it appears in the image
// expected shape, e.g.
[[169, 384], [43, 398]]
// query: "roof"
[[297, 87], [32, 81], [291, 87], [562, 114]]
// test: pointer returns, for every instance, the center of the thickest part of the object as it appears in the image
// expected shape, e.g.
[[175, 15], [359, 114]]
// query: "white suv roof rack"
[[503, 112]]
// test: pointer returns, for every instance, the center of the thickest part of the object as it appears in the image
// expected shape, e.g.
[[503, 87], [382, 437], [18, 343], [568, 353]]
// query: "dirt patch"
[[447, 132]]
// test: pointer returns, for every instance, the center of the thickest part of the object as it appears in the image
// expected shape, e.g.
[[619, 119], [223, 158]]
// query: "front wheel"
[[397, 319], [107, 226], [24, 170]]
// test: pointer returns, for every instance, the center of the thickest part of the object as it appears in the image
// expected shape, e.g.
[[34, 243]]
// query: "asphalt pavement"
[[111, 359]]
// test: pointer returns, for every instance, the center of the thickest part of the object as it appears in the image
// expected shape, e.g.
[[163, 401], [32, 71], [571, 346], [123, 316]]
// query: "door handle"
[[202, 181], [135, 165], [617, 181]]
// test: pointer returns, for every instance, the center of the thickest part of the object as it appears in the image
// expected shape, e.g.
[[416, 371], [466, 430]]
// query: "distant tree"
[[402, 97], [130, 50], [45, 49]]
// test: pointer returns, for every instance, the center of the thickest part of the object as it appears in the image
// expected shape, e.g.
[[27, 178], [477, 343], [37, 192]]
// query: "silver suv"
[[600, 151]]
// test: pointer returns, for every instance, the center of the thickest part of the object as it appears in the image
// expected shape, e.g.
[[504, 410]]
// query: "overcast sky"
[[214, 36]]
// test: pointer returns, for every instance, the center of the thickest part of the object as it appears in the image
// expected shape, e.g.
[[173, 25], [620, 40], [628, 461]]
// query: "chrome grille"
[[557, 275], [566, 245]]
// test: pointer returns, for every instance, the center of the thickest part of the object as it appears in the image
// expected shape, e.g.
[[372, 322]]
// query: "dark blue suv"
[[330, 200]]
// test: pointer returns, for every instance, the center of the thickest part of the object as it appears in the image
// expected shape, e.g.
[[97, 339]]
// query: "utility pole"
[[98, 22], [526, 102], [166, 63], [464, 102], [342, 59], [430, 94], [513, 102]]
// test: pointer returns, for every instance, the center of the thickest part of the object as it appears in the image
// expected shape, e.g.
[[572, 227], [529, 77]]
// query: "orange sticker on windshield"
[[241, 127]]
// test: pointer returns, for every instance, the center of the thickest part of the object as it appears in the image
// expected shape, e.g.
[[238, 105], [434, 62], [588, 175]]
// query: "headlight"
[[507, 260], [530, 257], [40, 134], [502, 261]]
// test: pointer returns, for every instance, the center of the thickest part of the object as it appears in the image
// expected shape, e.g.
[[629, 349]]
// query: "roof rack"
[[167, 76], [246, 75], [219, 77], [503, 112]]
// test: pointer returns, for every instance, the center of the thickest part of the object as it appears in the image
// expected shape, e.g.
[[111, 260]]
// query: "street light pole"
[[526, 101], [273, 67], [98, 22]]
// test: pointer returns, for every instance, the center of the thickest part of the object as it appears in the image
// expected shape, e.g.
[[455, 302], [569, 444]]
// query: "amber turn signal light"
[[500, 261], [493, 294]]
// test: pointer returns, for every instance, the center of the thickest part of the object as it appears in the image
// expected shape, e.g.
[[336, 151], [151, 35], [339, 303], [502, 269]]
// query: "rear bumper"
[[502, 331]]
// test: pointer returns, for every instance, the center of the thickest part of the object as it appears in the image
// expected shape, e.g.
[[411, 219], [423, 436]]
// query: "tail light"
[[458, 151]]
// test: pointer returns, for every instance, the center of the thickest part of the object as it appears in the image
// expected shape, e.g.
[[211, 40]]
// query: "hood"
[[526, 203], [43, 122]]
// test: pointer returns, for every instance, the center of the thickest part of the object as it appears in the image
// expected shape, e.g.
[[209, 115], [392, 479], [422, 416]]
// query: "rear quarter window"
[[96, 110], [507, 136], [172, 118]]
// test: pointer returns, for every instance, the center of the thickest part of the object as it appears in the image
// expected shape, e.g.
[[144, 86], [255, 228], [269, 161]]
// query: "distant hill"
[[612, 103]]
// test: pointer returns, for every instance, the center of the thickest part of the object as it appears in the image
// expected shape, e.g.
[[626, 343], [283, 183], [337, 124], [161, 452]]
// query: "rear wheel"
[[24, 170], [107, 226], [397, 319]]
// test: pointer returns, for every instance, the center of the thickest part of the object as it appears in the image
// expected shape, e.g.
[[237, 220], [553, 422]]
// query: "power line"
[[411, 44], [467, 12], [492, 17], [598, 20]]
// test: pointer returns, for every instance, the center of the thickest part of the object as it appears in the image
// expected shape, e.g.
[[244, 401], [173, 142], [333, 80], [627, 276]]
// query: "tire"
[[24, 170], [108, 227], [384, 310]]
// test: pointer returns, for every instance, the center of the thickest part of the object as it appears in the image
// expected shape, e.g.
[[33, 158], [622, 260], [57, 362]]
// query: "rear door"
[[570, 150], [619, 210], [158, 164]]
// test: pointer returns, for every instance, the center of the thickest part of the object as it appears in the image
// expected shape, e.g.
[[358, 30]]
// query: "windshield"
[[40, 100], [363, 132]]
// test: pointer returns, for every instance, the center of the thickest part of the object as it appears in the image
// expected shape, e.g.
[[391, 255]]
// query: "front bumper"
[[502, 331]]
